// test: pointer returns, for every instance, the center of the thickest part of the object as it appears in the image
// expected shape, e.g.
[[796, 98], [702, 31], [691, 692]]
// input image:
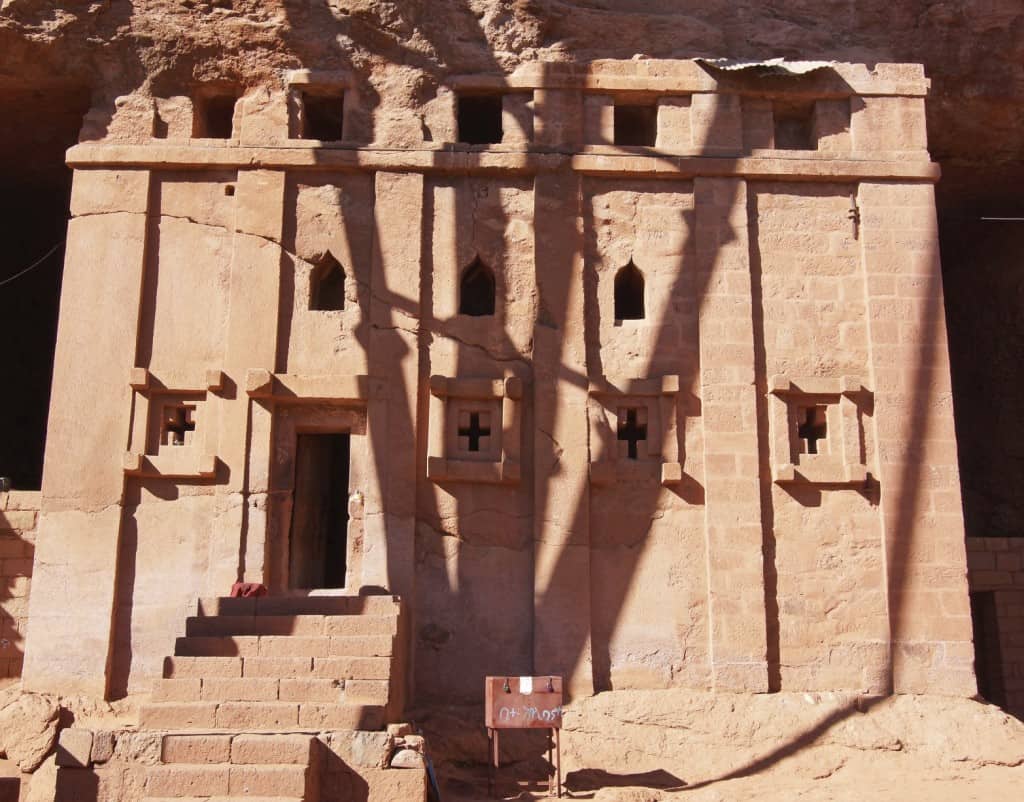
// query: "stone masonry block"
[[196, 749], [74, 747], [360, 625], [231, 689], [184, 781], [342, 717], [351, 667], [371, 646], [257, 715], [263, 749], [267, 781], [312, 690], [103, 743], [279, 646], [177, 715], [277, 667], [181, 667], [177, 690]]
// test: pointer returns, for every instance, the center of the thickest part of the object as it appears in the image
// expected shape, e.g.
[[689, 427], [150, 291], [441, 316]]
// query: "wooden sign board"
[[523, 703]]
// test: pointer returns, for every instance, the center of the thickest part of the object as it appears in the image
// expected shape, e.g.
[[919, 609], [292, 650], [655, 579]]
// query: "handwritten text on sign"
[[523, 702]]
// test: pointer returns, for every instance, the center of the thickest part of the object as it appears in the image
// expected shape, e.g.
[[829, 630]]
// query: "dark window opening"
[[477, 290], [794, 126], [812, 427], [214, 116], [632, 429], [319, 530], [636, 125], [161, 128], [988, 657], [327, 286], [479, 119], [178, 424], [474, 430], [323, 116], [629, 293]]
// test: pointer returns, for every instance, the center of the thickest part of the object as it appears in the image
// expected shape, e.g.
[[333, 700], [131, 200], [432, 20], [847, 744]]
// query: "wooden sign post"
[[524, 703]]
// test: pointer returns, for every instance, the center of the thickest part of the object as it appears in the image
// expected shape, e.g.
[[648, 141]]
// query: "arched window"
[[476, 290], [327, 285], [629, 293]]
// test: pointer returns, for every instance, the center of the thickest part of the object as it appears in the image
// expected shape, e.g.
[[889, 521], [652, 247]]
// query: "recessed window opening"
[[323, 116], [794, 125], [327, 285], [812, 428], [161, 128], [479, 119], [477, 290], [476, 430], [215, 115], [178, 424], [629, 293], [632, 429], [636, 125]]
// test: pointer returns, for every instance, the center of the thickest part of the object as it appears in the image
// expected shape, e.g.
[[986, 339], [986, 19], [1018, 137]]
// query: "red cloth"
[[248, 590]]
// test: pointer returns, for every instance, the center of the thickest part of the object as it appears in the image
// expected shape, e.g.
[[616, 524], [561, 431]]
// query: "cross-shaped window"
[[178, 424], [812, 428], [474, 427], [632, 429]]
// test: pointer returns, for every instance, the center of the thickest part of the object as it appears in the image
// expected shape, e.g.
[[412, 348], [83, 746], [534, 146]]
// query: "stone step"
[[362, 625], [267, 780], [223, 799], [284, 646], [335, 667], [249, 716], [271, 689], [299, 605], [240, 748]]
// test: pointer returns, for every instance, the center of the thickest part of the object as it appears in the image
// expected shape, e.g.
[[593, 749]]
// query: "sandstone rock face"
[[28, 728], [973, 54]]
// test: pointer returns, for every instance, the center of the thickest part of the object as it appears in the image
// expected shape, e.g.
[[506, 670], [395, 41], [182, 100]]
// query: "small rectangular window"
[[794, 125], [636, 125], [479, 119], [215, 115], [323, 116]]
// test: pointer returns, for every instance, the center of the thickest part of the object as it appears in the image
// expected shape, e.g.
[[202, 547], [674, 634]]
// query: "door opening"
[[988, 659], [317, 543]]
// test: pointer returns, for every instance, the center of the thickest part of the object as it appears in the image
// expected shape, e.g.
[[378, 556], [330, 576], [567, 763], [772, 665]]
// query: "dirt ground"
[[692, 747]]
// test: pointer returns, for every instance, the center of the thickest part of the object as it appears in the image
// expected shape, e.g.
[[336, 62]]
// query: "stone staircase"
[[255, 683], [282, 663]]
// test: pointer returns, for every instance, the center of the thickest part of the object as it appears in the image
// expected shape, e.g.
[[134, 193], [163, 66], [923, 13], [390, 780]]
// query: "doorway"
[[319, 526]]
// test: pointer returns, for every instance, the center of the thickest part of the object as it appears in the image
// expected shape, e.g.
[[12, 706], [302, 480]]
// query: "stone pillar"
[[561, 638], [390, 505], [75, 574], [736, 602], [251, 343], [922, 516]]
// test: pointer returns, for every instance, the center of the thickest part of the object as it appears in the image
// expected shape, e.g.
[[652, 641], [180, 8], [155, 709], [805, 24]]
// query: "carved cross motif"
[[631, 431], [813, 428], [178, 424], [478, 427]]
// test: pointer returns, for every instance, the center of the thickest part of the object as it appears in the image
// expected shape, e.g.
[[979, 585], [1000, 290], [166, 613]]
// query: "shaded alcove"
[[629, 293], [327, 285], [477, 290], [37, 125]]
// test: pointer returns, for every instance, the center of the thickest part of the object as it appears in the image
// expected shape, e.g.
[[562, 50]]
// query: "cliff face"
[[974, 52]]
